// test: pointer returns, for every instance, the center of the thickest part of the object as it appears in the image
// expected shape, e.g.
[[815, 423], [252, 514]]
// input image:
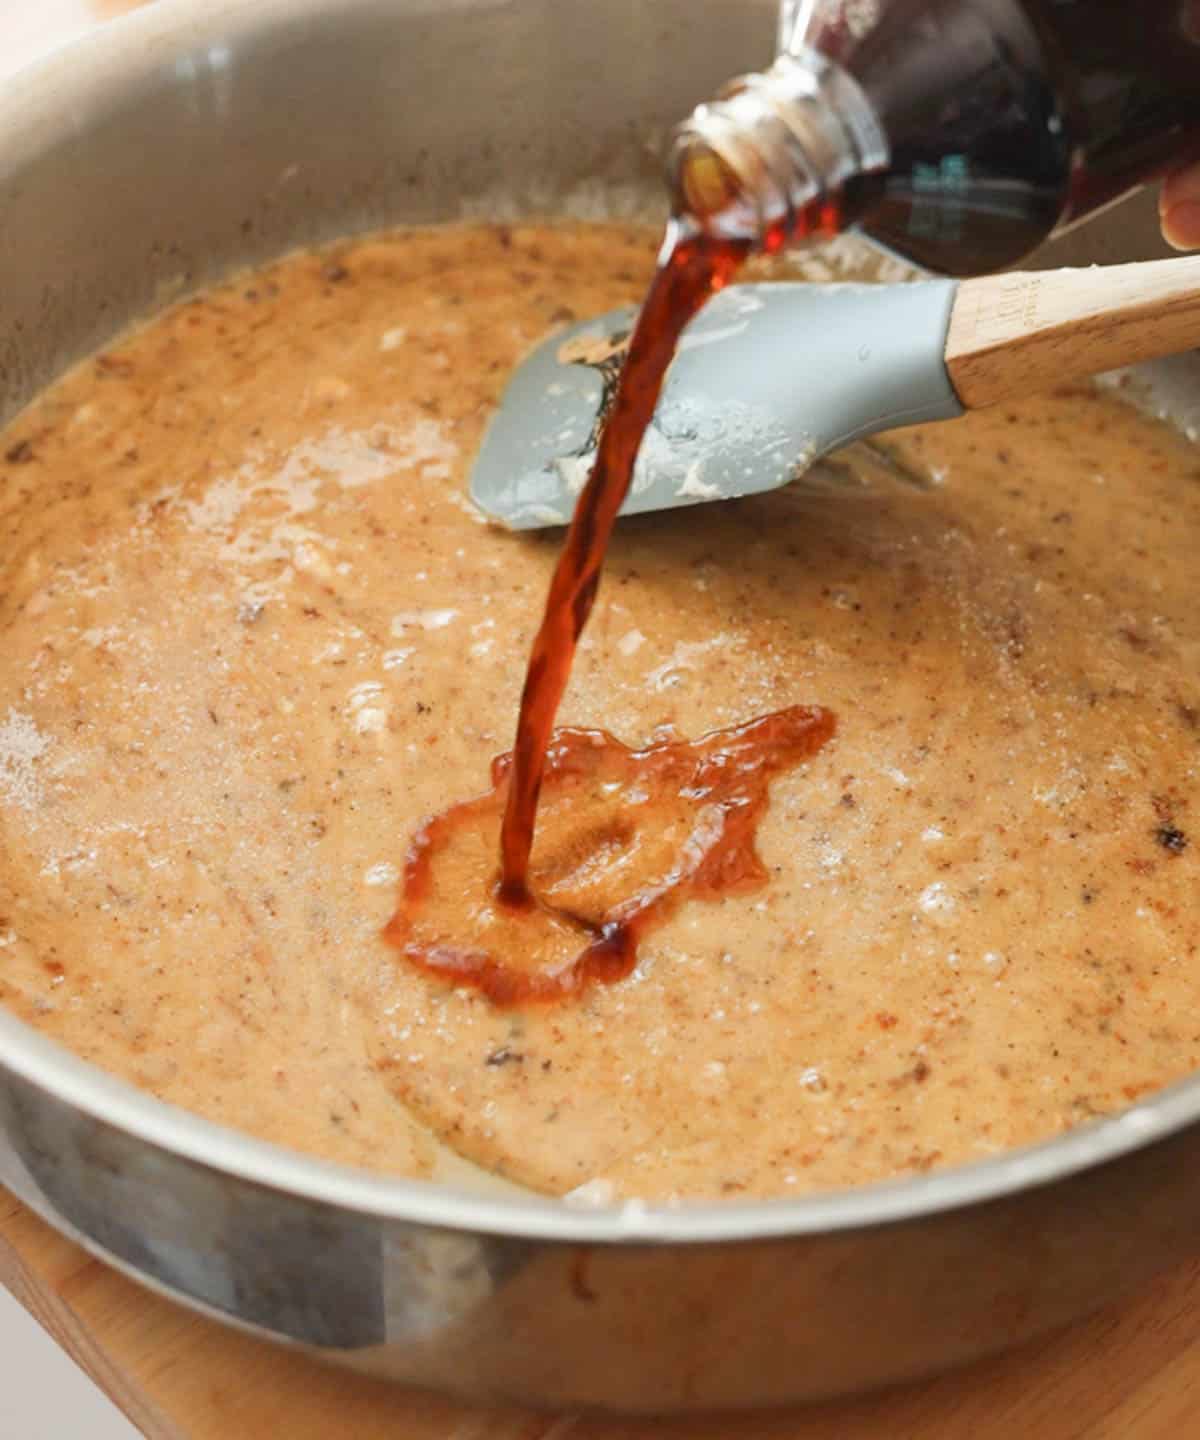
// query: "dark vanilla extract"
[[622, 835]]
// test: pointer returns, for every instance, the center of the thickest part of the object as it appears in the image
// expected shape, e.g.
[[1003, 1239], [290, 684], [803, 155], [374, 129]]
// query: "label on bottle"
[[939, 199]]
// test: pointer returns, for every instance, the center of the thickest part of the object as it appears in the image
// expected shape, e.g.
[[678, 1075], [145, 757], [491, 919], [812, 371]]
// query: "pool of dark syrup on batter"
[[623, 835]]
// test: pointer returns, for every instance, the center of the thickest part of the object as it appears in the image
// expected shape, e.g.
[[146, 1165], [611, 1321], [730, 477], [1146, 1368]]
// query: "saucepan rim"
[[57, 93]]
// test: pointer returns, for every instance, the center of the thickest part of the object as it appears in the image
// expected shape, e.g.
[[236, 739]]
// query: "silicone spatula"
[[769, 377]]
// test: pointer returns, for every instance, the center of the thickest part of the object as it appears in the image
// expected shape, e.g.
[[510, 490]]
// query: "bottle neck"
[[768, 161]]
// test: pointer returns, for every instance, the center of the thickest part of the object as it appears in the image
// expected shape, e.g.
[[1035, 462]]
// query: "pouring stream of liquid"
[[692, 267], [624, 835]]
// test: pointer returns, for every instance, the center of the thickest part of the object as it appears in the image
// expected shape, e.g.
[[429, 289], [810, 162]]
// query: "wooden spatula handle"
[[1020, 333]]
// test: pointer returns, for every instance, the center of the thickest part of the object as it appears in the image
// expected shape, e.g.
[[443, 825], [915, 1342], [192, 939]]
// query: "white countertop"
[[45, 1395]]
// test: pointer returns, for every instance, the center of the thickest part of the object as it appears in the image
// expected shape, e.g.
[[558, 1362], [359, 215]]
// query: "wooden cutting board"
[[1130, 1373]]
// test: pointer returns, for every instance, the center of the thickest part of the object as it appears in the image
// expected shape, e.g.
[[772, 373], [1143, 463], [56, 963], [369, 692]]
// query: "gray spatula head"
[[767, 379]]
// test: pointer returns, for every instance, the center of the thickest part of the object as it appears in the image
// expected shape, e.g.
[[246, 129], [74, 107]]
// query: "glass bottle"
[[960, 133]]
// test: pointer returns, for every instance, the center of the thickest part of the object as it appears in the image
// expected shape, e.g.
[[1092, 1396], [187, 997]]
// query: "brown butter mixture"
[[253, 634]]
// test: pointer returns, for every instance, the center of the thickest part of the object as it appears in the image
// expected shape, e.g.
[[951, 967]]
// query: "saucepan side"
[[199, 135]]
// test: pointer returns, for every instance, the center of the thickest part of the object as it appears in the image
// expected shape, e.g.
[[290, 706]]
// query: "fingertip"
[[1181, 225]]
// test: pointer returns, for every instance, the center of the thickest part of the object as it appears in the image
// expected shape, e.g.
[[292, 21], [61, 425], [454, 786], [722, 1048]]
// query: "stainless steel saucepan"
[[202, 134]]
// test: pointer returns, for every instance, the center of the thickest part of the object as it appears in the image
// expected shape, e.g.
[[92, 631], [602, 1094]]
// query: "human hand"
[[1179, 208]]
